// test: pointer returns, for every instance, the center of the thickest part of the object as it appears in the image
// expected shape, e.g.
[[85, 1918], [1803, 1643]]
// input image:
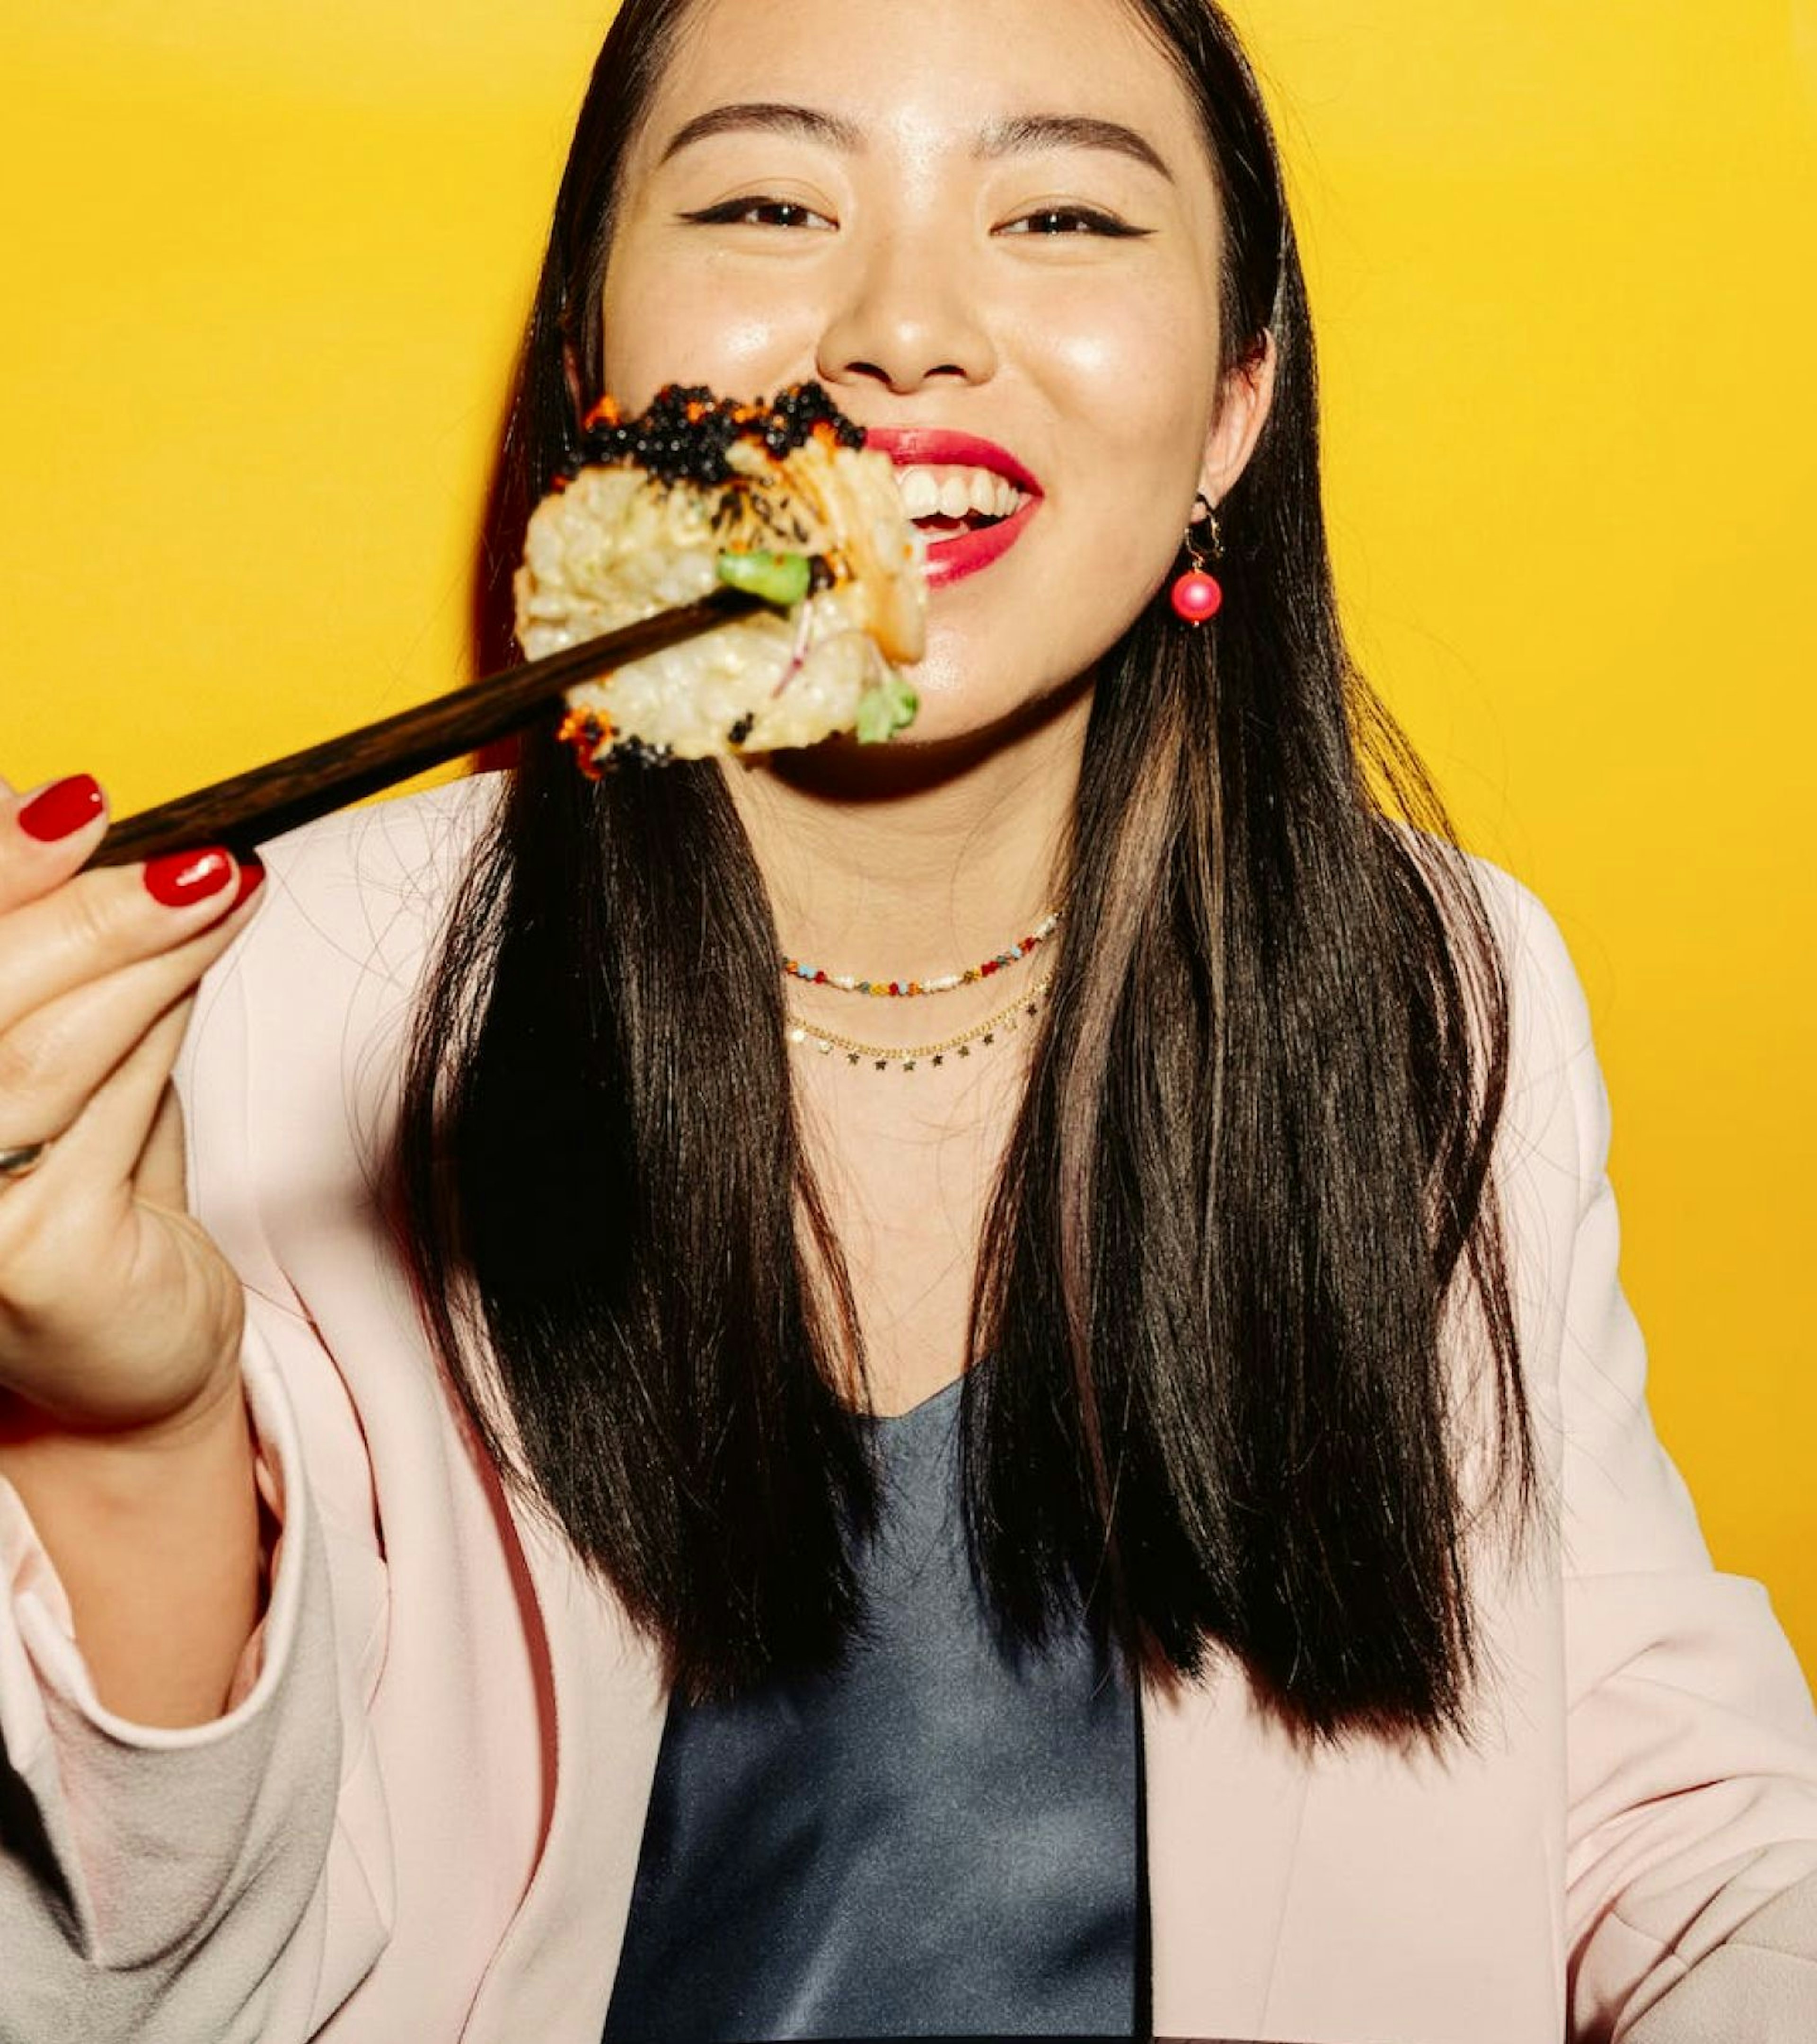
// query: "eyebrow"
[[1025, 135], [766, 116], [1030, 133]]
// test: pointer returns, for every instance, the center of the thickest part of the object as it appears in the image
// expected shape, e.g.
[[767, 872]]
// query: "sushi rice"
[[617, 543]]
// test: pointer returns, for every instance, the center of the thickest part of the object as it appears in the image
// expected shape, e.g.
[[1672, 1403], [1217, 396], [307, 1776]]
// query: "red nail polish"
[[61, 809], [252, 873], [180, 877]]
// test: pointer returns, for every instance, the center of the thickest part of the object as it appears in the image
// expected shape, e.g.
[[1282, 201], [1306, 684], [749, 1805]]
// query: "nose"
[[906, 319]]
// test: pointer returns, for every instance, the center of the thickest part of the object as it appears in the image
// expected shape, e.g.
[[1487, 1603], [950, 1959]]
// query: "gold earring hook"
[[1205, 515]]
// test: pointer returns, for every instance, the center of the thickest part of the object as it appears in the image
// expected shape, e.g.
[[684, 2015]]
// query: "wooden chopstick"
[[266, 801]]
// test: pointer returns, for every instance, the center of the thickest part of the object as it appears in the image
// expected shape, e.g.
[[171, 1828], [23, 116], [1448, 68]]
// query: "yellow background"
[[265, 266]]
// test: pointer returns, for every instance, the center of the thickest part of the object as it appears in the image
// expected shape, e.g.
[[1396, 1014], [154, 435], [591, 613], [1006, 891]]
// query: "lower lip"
[[966, 553]]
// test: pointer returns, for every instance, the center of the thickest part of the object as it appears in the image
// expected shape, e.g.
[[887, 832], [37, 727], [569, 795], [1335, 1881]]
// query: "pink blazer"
[[420, 1819]]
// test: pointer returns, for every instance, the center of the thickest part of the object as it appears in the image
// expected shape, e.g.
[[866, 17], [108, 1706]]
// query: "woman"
[[1246, 1315]]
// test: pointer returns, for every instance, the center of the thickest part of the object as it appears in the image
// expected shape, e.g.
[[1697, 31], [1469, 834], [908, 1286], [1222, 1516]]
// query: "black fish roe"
[[636, 752], [687, 432]]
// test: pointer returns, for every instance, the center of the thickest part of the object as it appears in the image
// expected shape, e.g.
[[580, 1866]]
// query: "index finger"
[[45, 835]]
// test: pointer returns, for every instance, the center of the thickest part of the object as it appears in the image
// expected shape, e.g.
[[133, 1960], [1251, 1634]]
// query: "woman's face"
[[989, 218]]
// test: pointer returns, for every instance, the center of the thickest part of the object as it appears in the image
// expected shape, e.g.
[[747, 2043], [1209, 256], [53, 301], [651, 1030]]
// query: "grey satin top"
[[938, 1839]]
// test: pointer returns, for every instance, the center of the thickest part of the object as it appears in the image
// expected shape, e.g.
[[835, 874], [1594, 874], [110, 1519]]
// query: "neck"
[[913, 860]]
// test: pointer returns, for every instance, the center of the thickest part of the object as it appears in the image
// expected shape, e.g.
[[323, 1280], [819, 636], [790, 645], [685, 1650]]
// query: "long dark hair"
[[1245, 1208]]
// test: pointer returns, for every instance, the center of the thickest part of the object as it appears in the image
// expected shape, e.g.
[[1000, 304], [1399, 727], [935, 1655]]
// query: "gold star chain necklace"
[[909, 1058]]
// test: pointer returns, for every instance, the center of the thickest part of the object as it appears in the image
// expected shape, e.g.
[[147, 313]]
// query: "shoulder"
[[1538, 960], [354, 900], [1547, 1050], [1551, 1146], [298, 1035], [1548, 1017], [361, 868], [1553, 1075]]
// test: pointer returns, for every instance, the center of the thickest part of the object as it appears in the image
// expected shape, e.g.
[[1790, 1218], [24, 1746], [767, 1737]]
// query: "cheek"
[[1138, 370], [663, 323], [1123, 385], [1134, 377], [1140, 387]]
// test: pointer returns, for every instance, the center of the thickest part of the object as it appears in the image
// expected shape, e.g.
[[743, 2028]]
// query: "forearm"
[[164, 1885], [155, 1535]]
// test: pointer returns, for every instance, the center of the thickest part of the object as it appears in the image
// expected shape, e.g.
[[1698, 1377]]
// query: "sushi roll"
[[777, 499]]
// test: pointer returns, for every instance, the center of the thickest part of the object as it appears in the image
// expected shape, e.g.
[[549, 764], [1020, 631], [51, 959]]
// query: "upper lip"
[[934, 447]]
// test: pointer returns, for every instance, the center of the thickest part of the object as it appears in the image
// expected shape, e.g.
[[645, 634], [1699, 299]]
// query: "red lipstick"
[[932, 446], [963, 554]]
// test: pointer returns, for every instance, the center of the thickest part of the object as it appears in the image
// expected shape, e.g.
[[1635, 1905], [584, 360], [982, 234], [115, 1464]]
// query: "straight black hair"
[[1244, 1286]]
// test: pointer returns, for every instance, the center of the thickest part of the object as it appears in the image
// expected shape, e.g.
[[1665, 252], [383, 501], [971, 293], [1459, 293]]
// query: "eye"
[[756, 210], [1073, 220]]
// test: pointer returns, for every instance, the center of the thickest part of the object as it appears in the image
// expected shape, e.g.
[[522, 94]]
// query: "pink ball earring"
[[1198, 596]]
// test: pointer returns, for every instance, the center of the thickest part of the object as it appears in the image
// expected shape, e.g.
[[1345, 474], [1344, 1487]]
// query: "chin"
[[963, 709]]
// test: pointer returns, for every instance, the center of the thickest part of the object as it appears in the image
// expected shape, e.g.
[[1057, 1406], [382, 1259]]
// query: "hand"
[[117, 1313]]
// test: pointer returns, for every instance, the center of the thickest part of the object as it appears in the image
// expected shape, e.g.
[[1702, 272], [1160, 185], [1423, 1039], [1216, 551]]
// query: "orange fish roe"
[[589, 732]]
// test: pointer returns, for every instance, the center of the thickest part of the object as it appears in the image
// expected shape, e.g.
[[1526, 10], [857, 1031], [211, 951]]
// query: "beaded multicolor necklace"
[[911, 989], [909, 1058]]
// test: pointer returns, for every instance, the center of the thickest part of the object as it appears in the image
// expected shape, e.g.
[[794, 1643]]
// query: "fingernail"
[[251, 873], [61, 809], [180, 877]]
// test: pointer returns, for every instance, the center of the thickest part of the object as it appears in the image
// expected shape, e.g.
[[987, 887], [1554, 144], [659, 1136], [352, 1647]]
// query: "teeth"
[[957, 493], [920, 492]]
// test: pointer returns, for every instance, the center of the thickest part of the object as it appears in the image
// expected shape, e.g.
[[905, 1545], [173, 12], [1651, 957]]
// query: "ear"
[[571, 369], [1244, 403]]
